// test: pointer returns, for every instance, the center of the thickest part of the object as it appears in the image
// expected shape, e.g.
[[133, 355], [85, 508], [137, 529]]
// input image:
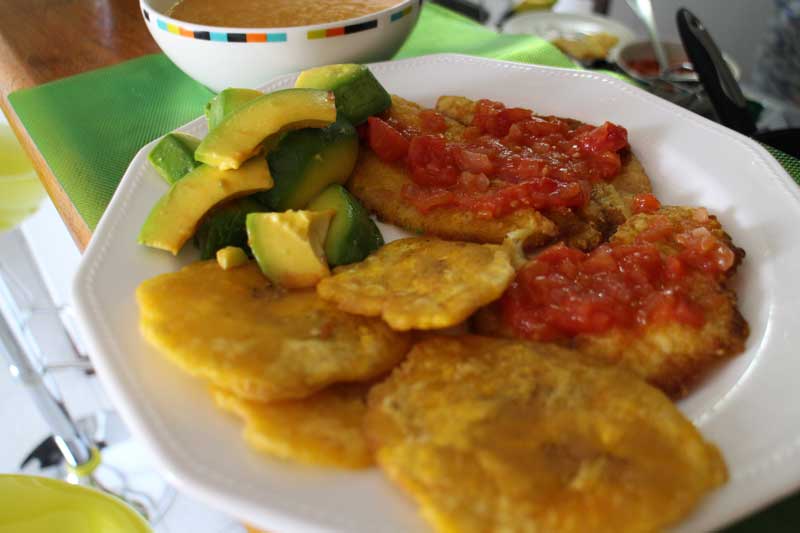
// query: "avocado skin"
[[225, 226], [173, 156], [306, 161], [358, 93], [227, 101], [352, 235]]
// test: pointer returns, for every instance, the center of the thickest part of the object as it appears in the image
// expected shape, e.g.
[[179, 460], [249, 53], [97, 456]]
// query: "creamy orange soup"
[[273, 13]]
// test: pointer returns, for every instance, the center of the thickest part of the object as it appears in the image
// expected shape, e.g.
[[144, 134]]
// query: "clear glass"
[[20, 189]]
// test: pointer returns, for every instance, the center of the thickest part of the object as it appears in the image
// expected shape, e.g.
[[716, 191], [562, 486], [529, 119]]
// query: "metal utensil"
[[644, 10]]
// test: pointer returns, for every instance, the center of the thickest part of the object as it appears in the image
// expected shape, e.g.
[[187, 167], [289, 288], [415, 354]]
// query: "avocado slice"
[[240, 134], [227, 101], [288, 246], [173, 219], [352, 235], [358, 94], [173, 156], [224, 226], [231, 257], [306, 161]]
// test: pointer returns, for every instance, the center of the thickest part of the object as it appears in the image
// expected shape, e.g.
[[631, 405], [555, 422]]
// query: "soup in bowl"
[[245, 43]]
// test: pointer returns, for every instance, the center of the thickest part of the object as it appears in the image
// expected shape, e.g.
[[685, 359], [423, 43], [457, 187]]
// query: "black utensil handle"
[[715, 74]]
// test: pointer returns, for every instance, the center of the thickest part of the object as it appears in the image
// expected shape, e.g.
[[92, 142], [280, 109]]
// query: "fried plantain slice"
[[379, 186], [261, 342], [507, 436], [671, 356], [324, 429], [421, 282]]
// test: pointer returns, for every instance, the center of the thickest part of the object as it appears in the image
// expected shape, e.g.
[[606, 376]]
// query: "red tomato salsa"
[[564, 292], [507, 159]]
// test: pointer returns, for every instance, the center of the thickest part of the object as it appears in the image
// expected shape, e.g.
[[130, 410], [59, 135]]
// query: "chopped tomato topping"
[[388, 143], [432, 121], [645, 203], [564, 292], [431, 161], [606, 138], [507, 159]]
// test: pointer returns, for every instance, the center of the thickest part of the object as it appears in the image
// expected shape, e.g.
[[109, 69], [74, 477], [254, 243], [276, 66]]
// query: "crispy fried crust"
[[627, 233], [672, 356], [260, 342], [323, 429], [505, 436], [379, 186], [421, 282]]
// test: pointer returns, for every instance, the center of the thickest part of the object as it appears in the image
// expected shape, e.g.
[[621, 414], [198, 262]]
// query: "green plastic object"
[[42, 505]]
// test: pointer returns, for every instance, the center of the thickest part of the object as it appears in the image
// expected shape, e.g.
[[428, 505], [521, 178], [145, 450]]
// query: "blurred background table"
[[46, 40]]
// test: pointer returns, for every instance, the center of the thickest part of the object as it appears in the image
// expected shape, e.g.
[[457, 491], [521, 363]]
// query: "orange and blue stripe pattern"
[[343, 30], [223, 37]]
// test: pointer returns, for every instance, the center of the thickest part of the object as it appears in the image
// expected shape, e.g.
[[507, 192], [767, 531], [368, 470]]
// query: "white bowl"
[[221, 57]]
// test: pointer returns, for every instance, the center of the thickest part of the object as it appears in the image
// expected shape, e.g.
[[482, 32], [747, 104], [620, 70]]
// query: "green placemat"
[[88, 127]]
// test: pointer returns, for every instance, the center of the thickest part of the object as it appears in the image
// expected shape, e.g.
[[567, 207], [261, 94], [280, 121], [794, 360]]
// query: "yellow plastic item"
[[43, 505]]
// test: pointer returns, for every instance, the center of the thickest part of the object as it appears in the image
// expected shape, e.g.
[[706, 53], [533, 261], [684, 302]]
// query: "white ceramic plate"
[[549, 25], [750, 407]]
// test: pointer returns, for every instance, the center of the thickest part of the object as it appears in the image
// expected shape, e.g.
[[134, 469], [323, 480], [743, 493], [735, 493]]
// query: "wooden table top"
[[44, 40]]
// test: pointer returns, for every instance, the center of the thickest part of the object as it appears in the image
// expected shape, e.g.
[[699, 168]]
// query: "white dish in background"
[[750, 407], [549, 25]]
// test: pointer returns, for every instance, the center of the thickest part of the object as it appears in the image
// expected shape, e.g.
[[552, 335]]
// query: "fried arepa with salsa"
[[494, 434], [421, 282], [323, 429], [258, 341], [670, 268], [382, 186]]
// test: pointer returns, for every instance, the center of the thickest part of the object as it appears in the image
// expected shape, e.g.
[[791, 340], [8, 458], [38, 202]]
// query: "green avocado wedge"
[[288, 246], [240, 134], [307, 161], [358, 94], [174, 218], [173, 156], [352, 235], [226, 102], [224, 226]]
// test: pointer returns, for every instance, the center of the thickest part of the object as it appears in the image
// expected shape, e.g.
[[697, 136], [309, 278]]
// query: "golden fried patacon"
[[379, 186], [670, 355], [258, 341], [324, 429], [505, 436], [421, 282]]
